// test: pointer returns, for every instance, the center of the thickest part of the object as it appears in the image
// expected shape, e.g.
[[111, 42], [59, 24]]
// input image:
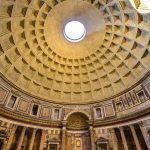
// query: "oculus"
[[74, 31]]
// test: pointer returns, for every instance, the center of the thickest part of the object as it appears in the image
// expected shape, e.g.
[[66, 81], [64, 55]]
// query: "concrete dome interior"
[[37, 59], [84, 94]]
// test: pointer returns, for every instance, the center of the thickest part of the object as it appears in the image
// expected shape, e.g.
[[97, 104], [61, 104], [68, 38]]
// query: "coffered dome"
[[36, 57]]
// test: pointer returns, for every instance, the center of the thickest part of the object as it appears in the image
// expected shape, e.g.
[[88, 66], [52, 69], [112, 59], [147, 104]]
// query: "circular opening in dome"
[[74, 31]]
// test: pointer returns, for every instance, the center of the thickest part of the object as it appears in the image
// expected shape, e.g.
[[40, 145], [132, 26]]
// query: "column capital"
[[121, 128], [14, 126], [140, 123], [64, 122], [90, 122], [91, 128], [35, 129], [111, 130], [13, 129], [44, 131], [24, 128], [131, 126]]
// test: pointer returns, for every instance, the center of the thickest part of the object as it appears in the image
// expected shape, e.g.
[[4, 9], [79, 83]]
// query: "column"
[[64, 123], [138, 146], [43, 136], [58, 146], [32, 139], [92, 138], [11, 137], [123, 138], [64, 138], [144, 135], [114, 139], [19, 144], [108, 148], [72, 141], [48, 146], [4, 145]]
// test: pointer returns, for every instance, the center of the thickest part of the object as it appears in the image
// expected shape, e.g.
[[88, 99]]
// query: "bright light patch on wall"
[[146, 3], [142, 6], [74, 31]]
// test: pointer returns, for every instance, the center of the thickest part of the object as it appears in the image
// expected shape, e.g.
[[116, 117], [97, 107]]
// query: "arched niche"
[[77, 121], [77, 111]]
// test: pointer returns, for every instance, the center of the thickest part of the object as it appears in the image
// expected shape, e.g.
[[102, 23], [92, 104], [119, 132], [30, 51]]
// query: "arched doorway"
[[77, 135]]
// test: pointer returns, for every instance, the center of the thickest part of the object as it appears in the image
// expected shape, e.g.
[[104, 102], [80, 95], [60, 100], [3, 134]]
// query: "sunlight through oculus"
[[74, 31]]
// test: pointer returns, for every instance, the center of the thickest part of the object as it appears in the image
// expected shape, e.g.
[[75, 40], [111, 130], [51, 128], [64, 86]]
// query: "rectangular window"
[[98, 113], [56, 114], [35, 109], [12, 101]]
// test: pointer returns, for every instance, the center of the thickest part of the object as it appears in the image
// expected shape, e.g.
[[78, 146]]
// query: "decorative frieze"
[[24, 106], [3, 95], [45, 112], [130, 100]]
